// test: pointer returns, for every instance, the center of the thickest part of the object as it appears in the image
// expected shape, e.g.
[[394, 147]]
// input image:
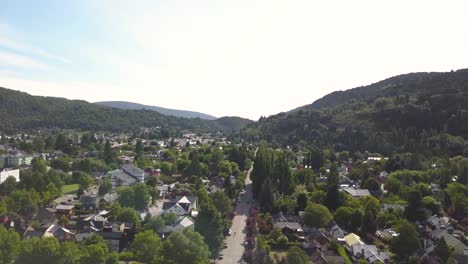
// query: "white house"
[[182, 223], [182, 205]]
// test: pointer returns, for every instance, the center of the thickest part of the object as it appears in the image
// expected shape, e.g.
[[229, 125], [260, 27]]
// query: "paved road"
[[235, 249]]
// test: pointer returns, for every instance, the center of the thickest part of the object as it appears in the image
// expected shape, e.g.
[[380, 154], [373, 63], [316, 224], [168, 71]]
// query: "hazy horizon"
[[223, 58]]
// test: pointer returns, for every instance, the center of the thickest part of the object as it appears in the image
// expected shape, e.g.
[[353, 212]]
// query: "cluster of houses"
[[317, 243]]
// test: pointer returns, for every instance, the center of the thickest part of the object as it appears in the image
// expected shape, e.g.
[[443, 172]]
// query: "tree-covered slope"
[[406, 83], [161, 110], [426, 111], [19, 110], [232, 123]]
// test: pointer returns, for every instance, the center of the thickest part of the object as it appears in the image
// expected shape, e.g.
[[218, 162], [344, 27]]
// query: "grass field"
[[70, 188]]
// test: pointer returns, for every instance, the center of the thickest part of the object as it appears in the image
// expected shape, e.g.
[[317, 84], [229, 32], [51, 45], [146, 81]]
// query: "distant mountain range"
[[22, 111], [162, 110]]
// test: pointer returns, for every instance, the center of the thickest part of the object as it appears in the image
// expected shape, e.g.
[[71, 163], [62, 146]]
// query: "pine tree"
[[138, 150], [283, 175], [333, 195], [108, 154]]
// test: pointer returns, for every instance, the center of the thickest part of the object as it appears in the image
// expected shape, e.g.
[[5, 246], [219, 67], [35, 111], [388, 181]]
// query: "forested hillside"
[[161, 110], [421, 111], [19, 111]]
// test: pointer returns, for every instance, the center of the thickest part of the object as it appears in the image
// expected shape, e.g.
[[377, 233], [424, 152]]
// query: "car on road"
[[230, 232], [220, 256]]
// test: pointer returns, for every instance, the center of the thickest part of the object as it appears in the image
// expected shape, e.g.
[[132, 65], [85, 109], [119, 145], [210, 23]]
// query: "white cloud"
[[15, 60], [10, 39]]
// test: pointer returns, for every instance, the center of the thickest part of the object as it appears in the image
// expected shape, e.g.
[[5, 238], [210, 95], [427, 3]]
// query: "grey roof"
[[451, 240], [64, 207], [291, 225], [167, 205], [88, 199], [124, 177], [133, 171], [357, 192]]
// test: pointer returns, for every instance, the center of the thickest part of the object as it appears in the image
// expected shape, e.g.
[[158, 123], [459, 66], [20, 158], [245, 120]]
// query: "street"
[[235, 249]]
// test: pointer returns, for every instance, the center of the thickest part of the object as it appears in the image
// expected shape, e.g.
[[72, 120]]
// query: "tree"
[[222, 202], [442, 250], [39, 166], [343, 215], [105, 186], [301, 201], [147, 247], [372, 184], [8, 186], [9, 245], [296, 255], [333, 195], [156, 224], [141, 196], [126, 214], [210, 225], [185, 247], [94, 254], [392, 185], [108, 154], [407, 241], [266, 196], [81, 178], [414, 210], [283, 175], [126, 197], [304, 176], [317, 215], [261, 171], [40, 251], [138, 150], [70, 252], [371, 209]]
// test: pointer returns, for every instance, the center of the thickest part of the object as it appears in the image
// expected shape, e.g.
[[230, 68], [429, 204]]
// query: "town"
[[104, 197]]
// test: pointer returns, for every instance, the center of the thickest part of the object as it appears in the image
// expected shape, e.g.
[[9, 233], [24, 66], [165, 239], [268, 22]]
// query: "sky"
[[247, 58]]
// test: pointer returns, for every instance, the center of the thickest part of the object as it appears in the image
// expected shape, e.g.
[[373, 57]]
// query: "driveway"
[[235, 249]]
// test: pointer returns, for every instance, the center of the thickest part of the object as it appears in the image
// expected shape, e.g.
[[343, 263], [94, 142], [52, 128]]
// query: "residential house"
[[46, 216], [127, 175], [352, 239], [31, 232], [368, 252], [181, 223], [291, 228], [66, 210], [88, 202], [182, 205], [61, 233], [356, 193], [117, 235], [458, 247]]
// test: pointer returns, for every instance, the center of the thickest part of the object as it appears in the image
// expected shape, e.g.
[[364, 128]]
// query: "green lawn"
[[70, 188]]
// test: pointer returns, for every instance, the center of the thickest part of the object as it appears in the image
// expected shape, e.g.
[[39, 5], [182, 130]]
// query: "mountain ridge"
[[22, 111], [429, 110], [162, 110]]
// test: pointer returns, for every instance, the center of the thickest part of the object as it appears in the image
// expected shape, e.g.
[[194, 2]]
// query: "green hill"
[[161, 110], [21, 111], [424, 111]]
